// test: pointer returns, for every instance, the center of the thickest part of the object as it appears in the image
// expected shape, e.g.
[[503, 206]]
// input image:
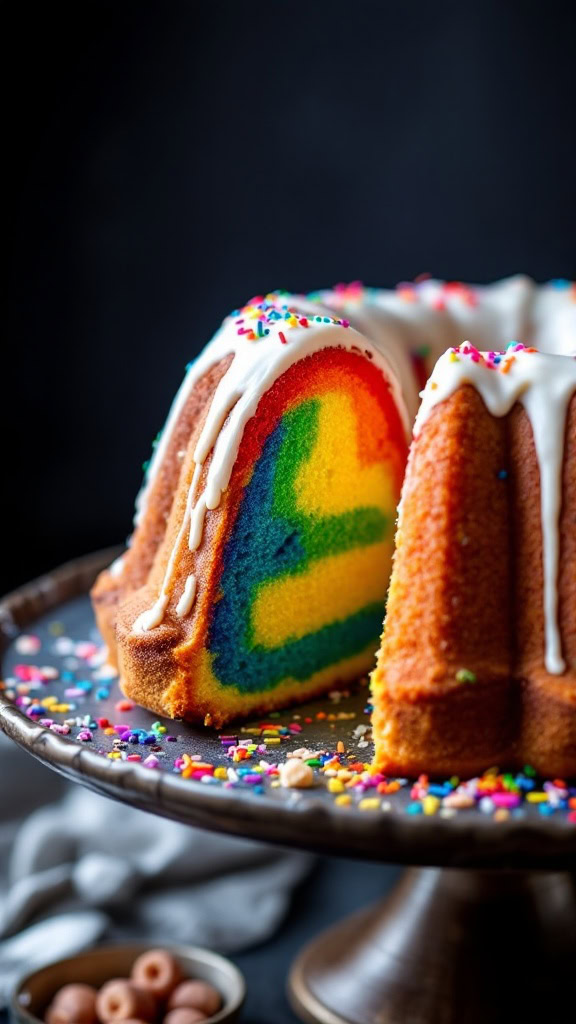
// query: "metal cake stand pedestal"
[[480, 930]]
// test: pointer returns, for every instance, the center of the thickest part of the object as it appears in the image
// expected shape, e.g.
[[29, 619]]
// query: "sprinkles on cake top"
[[261, 313]]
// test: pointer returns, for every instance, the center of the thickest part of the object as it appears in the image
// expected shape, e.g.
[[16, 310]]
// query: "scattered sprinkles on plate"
[[53, 676]]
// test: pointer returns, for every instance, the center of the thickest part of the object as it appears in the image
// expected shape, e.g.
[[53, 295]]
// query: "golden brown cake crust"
[[109, 590], [443, 694], [460, 684]]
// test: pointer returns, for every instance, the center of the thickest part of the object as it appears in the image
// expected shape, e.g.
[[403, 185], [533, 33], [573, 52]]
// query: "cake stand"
[[481, 928]]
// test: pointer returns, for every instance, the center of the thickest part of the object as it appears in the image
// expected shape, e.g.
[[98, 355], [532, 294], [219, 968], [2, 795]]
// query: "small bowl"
[[34, 993]]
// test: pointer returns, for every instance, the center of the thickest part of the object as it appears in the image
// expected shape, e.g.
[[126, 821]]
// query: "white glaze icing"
[[154, 616], [430, 315], [488, 316], [435, 315], [185, 603], [116, 568], [543, 384], [222, 344], [552, 323], [256, 365]]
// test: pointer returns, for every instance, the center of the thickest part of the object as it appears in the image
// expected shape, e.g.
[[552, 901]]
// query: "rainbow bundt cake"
[[478, 659], [258, 569]]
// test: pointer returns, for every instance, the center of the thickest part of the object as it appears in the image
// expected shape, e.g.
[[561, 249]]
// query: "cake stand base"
[[448, 946]]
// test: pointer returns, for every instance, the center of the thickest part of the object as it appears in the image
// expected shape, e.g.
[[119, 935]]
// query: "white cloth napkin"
[[84, 868]]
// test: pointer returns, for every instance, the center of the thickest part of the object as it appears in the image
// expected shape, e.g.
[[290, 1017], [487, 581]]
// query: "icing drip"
[[543, 384], [185, 603], [116, 567], [263, 348], [548, 421], [154, 616]]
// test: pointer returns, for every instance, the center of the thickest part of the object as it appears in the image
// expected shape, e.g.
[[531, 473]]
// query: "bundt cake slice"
[[477, 665], [258, 570]]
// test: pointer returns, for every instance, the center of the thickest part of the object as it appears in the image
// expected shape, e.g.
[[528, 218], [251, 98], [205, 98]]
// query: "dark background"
[[168, 160]]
